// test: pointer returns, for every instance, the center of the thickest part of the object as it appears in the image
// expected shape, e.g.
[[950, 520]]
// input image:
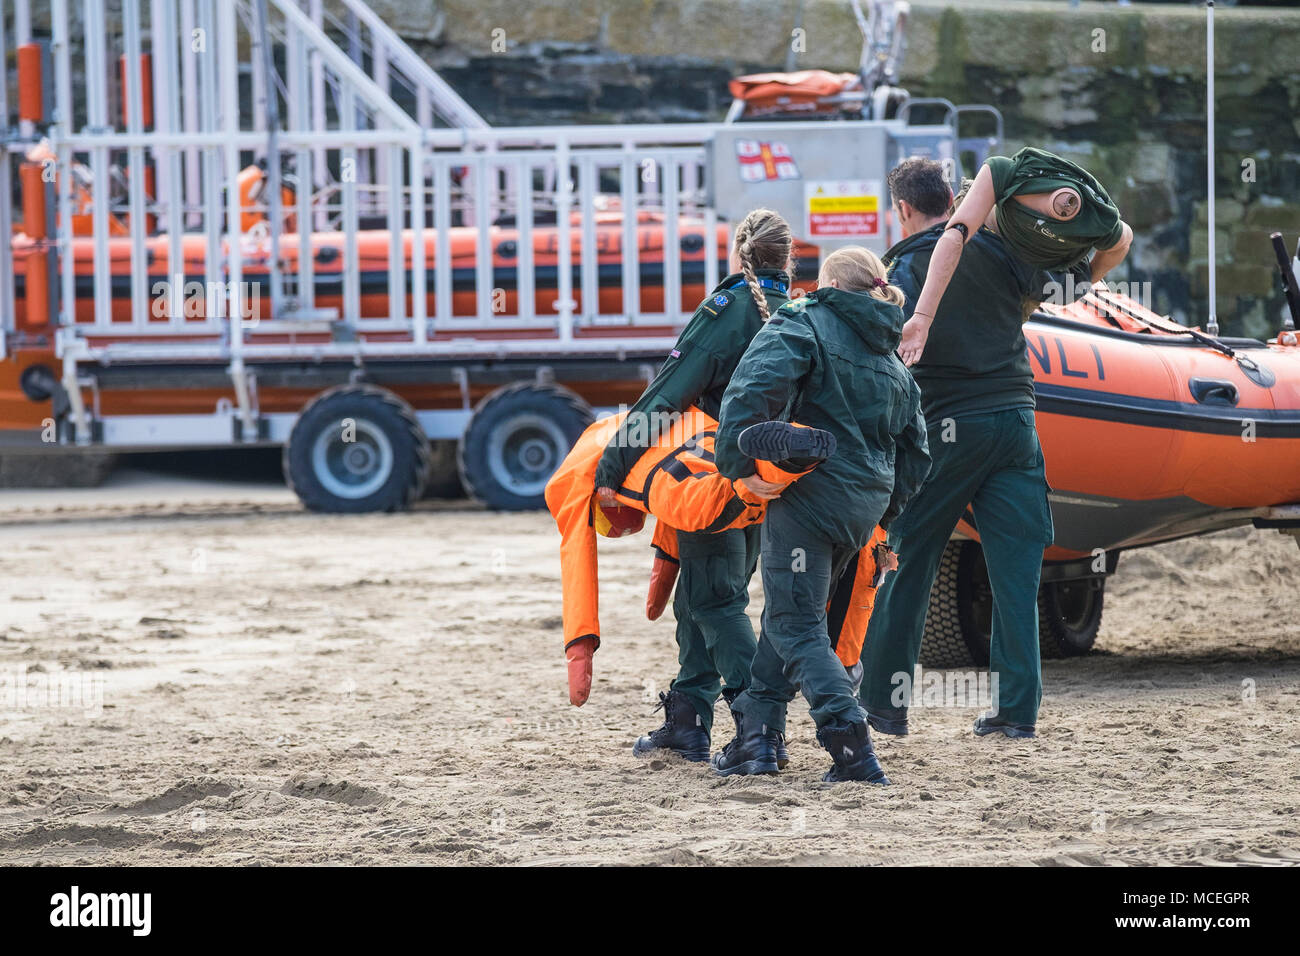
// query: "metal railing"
[[385, 222]]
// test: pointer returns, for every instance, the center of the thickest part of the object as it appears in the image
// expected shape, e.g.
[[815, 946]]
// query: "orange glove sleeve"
[[578, 655]]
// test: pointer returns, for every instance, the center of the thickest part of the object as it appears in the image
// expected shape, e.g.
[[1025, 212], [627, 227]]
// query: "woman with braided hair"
[[715, 639]]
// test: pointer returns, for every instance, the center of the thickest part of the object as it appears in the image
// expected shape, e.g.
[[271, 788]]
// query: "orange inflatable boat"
[[1153, 431]]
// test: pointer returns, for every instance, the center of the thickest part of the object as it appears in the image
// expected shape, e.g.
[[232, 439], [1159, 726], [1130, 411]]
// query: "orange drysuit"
[[677, 481]]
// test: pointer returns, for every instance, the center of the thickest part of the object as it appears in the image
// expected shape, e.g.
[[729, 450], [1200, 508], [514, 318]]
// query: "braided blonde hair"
[[859, 270], [762, 241]]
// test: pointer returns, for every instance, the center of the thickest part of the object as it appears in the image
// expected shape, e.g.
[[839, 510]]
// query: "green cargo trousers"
[[715, 639], [993, 463], [794, 650]]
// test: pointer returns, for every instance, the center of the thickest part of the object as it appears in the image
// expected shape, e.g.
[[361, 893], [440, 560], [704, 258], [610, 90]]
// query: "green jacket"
[[697, 369], [975, 360], [827, 360]]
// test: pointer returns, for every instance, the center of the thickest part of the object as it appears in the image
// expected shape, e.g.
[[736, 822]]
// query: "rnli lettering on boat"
[[1076, 362]]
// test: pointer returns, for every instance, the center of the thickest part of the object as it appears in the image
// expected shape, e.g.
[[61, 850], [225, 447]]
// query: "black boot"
[[778, 739], [888, 720], [849, 745], [752, 750], [781, 441], [782, 755], [682, 732], [988, 724]]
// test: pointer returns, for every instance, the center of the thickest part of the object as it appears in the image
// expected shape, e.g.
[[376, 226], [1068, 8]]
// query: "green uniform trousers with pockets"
[[994, 464], [715, 639], [794, 650]]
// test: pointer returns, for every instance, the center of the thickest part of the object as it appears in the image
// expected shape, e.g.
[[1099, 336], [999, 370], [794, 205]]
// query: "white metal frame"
[[355, 153]]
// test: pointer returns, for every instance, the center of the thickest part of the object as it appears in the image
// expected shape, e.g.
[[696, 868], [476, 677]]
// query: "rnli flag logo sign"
[[761, 161], [842, 209]]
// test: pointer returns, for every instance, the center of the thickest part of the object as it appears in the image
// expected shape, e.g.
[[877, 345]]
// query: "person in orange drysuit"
[[677, 481]]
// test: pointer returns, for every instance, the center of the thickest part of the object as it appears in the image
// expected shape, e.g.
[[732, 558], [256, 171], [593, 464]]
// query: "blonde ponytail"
[[856, 269]]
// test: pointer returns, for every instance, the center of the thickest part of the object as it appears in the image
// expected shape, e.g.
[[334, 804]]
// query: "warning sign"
[[842, 208]]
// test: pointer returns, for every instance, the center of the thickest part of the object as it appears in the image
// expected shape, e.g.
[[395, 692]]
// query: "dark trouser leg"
[[794, 649], [919, 535], [1015, 524], [715, 639]]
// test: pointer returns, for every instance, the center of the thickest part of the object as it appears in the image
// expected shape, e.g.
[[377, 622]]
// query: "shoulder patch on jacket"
[[715, 303]]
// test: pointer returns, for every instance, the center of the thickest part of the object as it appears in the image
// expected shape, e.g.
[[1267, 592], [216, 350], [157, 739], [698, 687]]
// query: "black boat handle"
[[1213, 391]]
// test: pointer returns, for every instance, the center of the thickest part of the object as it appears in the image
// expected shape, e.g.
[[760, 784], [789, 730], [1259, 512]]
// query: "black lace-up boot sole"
[[779, 441]]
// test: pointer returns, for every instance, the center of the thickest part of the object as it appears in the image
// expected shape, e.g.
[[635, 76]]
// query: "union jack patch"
[[675, 354]]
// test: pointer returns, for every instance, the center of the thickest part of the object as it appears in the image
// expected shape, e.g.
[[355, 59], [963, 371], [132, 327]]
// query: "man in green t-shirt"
[[1050, 212], [977, 395]]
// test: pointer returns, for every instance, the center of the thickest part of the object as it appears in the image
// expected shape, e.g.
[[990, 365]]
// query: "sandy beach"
[[242, 683]]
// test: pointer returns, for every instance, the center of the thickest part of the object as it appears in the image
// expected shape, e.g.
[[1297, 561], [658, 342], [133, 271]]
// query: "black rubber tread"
[[570, 411], [411, 453], [943, 644], [1057, 638], [780, 441]]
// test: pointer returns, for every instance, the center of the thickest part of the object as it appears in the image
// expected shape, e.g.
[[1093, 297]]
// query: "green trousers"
[[715, 639], [794, 650], [994, 464]]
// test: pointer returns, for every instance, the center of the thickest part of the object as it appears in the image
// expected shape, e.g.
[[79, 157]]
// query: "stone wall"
[[1128, 102]]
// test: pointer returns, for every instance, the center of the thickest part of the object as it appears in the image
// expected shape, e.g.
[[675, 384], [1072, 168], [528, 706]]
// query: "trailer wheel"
[[944, 643], [357, 448], [1069, 616], [516, 438], [959, 625]]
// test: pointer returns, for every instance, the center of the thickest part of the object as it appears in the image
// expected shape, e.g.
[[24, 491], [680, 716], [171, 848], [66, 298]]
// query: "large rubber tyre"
[[516, 438], [354, 449], [944, 644], [959, 623], [1069, 616]]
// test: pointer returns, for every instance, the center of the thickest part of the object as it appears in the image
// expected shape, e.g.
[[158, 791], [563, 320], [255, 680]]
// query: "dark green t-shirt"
[[1041, 240], [974, 360]]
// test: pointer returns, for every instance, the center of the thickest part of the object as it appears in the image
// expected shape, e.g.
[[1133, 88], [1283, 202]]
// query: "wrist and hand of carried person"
[[761, 489], [886, 561]]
